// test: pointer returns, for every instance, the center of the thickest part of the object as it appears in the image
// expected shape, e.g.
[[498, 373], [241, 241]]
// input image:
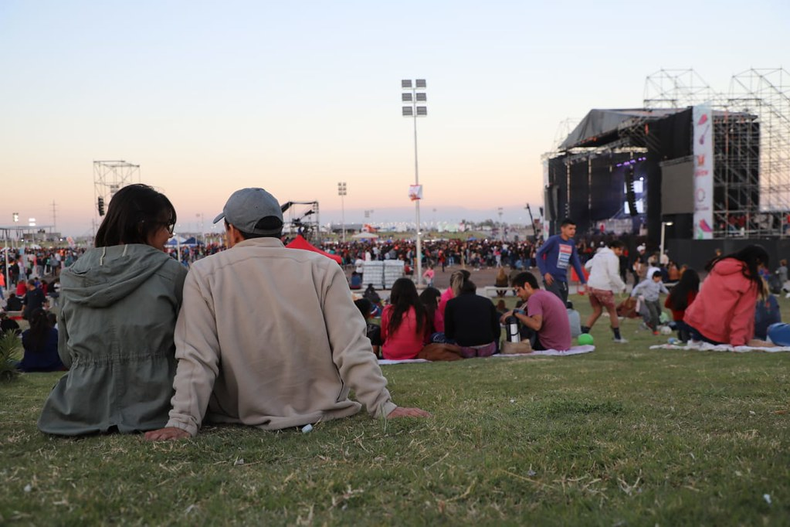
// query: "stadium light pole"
[[341, 191], [410, 96], [663, 228]]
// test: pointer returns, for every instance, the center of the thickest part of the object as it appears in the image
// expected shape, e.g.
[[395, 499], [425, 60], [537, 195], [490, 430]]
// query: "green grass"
[[621, 436]]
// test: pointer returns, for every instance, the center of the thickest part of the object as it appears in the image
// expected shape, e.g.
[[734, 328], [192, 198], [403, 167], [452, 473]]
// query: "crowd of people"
[[254, 333]]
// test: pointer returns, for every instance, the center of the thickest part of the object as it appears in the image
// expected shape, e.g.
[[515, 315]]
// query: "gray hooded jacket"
[[118, 311]]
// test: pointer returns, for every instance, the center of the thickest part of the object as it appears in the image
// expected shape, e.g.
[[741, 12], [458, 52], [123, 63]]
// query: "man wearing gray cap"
[[269, 336]]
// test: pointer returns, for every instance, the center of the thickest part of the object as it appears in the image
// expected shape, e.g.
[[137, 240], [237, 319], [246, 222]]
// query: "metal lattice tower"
[[108, 178], [677, 89], [752, 170]]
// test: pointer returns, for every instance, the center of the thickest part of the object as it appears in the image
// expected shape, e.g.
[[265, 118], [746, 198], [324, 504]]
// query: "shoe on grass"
[[620, 340]]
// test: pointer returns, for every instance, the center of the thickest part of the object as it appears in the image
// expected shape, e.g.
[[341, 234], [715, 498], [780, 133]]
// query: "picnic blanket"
[[705, 346], [575, 350]]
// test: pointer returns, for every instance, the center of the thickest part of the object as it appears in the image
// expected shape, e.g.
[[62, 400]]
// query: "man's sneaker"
[[620, 340], [655, 332]]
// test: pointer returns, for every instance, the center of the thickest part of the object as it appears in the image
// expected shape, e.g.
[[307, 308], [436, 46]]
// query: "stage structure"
[[302, 217], [706, 165], [108, 178]]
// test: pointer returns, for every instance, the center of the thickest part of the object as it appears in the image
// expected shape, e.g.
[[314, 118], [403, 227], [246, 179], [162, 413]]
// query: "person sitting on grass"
[[651, 290], [457, 279], [14, 303], [404, 323], [545, 321], [372, 331], [680, 298], [472, 322], [430, 299], [41, 345], [6, 324], [723, 312]]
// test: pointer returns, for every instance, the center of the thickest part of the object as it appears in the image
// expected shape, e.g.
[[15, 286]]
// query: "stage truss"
[[755, 158], [108, 178], [302, 217]]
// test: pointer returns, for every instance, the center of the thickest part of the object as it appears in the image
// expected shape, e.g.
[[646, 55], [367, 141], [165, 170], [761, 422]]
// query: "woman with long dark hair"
[[680, 298], [723, 312], [118, 309], [430, 299], [41, 345], [404, 322]]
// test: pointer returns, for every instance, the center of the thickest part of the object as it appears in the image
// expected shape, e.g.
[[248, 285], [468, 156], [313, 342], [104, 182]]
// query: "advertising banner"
[[703, 172]]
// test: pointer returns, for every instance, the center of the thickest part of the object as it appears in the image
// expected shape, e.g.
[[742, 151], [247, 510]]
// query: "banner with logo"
[[703, 171], [415, 192]]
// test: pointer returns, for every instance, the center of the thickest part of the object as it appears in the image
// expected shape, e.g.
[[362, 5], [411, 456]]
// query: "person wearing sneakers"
[[650, 289], [604, 281]]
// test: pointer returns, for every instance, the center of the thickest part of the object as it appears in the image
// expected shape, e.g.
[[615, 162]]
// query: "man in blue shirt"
[[555, 256]]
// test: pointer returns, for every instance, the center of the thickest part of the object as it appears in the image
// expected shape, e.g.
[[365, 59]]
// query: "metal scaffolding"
[[108, 178], [752, 145]]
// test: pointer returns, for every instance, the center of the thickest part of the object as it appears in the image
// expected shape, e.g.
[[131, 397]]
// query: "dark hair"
[[752, 257], [679, 295], [33, 340], [567, 221], [403, 297], [269, 223], [364, 305], [135, 212], [430, 300], [656, 273], [468, 287], [615, 244], [525, 278]]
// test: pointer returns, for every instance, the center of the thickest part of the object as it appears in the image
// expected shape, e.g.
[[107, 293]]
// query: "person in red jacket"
[[723, 312], [680, 298]]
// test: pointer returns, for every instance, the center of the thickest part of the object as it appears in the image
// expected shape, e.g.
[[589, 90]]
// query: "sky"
[[209, 97]]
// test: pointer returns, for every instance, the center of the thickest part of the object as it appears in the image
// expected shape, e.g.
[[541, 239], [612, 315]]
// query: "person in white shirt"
[[604, 281]]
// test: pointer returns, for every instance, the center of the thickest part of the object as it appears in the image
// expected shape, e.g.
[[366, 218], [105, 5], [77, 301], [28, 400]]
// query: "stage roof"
[[597, 125]]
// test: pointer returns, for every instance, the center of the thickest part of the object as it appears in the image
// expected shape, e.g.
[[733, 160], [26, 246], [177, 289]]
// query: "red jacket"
[[724, 309], [678, 315]]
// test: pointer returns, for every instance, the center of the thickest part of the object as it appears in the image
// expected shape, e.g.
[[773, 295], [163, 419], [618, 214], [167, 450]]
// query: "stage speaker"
[[551, 204], [100, 205], [629, 191]]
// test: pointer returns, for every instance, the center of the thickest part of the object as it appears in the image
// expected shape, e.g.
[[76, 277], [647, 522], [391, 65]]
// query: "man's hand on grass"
[[407, 412], [166, 434]]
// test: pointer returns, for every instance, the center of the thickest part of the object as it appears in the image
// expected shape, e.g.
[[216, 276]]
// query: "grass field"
[[622, 436]]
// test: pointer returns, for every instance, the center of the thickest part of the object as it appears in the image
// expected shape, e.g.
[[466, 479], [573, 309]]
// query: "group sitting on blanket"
[[729, 302]]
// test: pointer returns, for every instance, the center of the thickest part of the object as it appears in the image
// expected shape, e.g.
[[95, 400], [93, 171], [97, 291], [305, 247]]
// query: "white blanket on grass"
[[705, 346], [575, 350]]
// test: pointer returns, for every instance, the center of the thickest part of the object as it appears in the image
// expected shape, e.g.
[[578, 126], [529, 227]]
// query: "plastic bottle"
[[672, 340]]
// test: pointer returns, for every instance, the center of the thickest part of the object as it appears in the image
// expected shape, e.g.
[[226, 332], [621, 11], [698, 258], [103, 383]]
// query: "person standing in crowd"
[[34, 299], [119, 304], [604, 281], [472, 322], [546, 318], [268, 336], [723, 312], [555, 256]]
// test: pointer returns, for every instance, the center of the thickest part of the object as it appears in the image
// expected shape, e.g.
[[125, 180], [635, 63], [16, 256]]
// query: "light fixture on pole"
[[501, 230], [341, 191], [663, 227], [410, 97]]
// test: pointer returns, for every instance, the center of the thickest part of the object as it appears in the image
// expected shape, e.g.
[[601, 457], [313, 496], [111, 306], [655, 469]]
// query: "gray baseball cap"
[[246, 207]]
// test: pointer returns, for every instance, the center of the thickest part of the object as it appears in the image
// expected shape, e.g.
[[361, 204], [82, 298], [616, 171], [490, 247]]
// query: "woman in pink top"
[[723, 312], [404, 324]]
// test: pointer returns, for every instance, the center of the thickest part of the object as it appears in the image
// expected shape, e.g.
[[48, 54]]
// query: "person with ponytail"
[[723, 312], [41, 345]]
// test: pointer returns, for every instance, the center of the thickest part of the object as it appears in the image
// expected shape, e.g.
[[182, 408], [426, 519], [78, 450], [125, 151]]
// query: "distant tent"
[[300, 243], [192, 242], [172, 242]]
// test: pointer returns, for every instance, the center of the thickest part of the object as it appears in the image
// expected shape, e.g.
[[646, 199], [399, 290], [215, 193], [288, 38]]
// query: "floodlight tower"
[[342, 191], [410, 97], [108, 178]]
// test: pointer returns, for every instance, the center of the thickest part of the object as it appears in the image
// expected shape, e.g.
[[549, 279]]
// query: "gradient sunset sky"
[[209, 97]]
